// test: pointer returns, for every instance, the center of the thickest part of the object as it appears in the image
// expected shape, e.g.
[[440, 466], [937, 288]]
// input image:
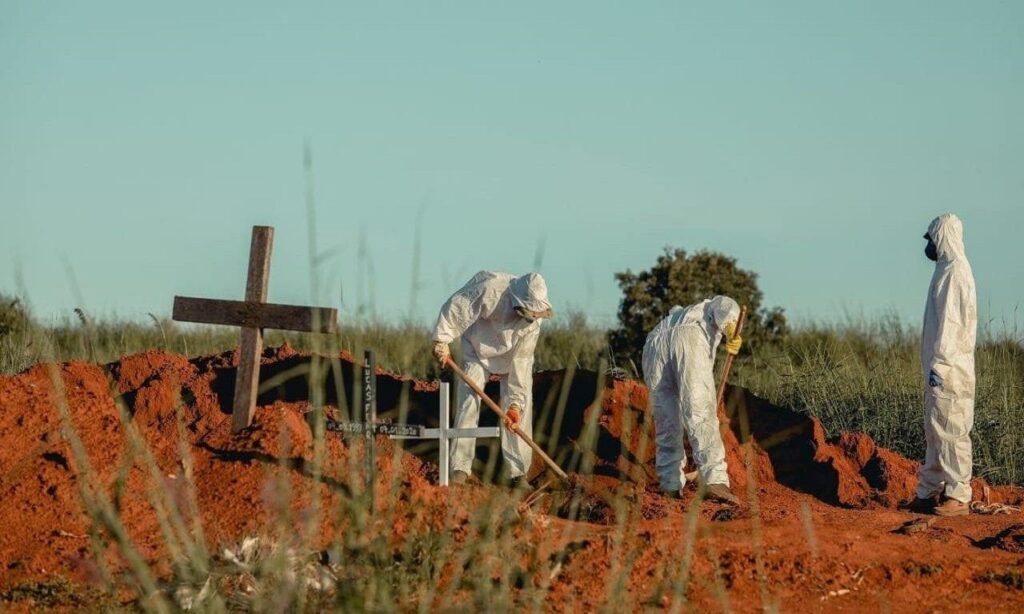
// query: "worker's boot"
[[458, 478], [672, 494], [722, 494], [923, 506], [952, 507]]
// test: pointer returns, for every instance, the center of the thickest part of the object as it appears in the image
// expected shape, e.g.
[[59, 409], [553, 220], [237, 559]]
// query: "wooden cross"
[[253, 315]]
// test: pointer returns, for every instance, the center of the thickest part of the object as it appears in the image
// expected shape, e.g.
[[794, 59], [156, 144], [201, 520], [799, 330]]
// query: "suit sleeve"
[[520, 376], [955, 313]]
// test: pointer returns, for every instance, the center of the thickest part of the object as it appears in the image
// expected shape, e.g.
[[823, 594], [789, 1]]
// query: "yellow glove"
[[733, 342], [733, 345]]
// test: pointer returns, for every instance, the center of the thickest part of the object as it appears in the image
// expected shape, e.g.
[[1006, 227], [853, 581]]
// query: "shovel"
[[692, 475], [501, 413]]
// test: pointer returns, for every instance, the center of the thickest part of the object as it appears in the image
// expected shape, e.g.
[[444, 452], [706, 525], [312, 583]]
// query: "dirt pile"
[[785, 448], [241, 480], [588, 424], [597, 428]]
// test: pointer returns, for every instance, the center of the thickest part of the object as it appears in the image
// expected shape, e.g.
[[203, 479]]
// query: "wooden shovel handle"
[[501, 413], [730, 357]]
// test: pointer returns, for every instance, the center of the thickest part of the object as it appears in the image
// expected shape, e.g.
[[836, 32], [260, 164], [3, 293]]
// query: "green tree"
[[681, 279], [14, 317]]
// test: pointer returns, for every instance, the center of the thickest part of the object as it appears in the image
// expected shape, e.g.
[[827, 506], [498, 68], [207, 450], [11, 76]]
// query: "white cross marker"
[[445, 433]]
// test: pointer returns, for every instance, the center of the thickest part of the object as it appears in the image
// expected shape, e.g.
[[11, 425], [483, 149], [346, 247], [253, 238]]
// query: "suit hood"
[[720, 310], [947, 233], [530, 291]]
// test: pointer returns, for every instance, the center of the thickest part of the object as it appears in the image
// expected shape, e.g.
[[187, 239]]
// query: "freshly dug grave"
[[787, 448], [818, 521]]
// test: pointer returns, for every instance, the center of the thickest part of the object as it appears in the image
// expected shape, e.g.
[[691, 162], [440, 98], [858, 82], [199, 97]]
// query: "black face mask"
[[930, 250]]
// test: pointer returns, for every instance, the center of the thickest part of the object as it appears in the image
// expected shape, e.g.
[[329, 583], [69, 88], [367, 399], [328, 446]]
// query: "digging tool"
[[692, 475], [730, 358], [501, 414]]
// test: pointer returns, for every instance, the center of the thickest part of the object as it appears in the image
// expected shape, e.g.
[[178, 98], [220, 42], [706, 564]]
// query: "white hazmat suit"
[[678, 362], [947, 359], [495, 339]]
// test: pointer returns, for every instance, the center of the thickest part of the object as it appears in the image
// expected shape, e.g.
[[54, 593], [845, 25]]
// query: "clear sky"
[[814, 141]]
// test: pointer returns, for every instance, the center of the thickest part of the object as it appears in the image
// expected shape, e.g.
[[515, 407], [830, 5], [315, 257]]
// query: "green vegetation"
[[1011, 578], [679, 279], [866, 376], [404, 348], [56, 593], [855, 376]]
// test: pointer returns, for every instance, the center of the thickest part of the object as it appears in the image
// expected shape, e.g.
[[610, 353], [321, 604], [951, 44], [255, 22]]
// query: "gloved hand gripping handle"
[[729, 357], [518, 431]]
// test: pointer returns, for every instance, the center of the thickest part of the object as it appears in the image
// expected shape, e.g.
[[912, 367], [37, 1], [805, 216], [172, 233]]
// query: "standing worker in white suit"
[[498, 317], [947, 360], [679, 363]]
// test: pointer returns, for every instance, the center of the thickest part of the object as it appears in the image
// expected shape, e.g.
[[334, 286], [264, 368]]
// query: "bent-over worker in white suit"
[[679, 362], [498, 317]]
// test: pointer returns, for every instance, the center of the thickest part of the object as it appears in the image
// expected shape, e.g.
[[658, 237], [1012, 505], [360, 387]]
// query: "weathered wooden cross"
[[253, 314]]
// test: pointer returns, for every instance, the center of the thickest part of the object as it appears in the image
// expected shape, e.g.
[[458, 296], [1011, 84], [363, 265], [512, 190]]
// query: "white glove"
[[441, 352]]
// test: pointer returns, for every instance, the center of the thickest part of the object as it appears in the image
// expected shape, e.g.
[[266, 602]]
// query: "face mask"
[[533, 316], [930, 250]]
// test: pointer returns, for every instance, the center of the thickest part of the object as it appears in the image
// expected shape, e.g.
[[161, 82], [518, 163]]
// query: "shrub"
[[14, 317], [681, 279]]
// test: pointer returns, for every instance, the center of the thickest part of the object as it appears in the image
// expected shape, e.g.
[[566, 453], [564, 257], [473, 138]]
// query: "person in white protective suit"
[[947, 360], [678, 363], [498, 317]]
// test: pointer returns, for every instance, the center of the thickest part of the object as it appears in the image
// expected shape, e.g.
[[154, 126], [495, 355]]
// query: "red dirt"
[[817, 532]]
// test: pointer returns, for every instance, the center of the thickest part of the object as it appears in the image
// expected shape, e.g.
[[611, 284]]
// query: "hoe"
[[501, 414]]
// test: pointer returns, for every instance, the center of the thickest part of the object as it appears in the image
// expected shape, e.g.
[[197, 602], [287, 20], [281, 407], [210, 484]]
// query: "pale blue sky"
[[813, 141]]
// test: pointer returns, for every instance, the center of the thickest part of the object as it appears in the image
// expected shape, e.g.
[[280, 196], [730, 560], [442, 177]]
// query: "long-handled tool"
[[729, 358], [501, 413], [692, 475]]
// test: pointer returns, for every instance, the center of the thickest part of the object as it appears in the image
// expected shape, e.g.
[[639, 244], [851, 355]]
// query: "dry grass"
[[858, 376], [855, 376]]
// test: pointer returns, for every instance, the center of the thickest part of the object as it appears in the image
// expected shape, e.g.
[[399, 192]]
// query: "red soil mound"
[[787, 448], [235, 476], [600, 429]]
